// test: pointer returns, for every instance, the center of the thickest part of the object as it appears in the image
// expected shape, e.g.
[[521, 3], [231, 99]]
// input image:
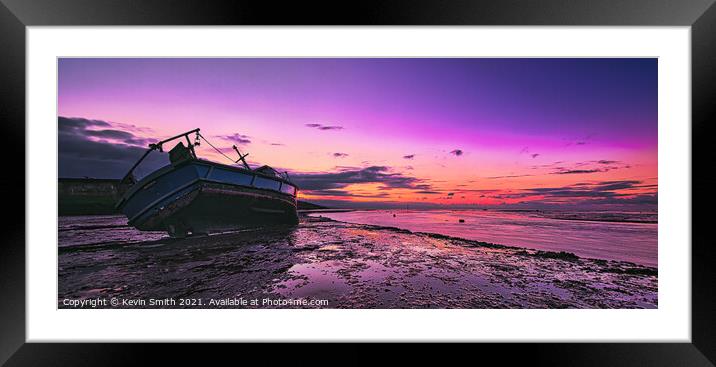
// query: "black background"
[[15, 15]]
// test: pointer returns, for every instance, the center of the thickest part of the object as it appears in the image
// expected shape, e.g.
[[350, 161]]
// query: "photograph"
[[501, 174], [357, 183]]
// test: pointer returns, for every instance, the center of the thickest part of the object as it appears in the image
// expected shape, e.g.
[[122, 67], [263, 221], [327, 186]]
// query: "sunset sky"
[[518, 133]]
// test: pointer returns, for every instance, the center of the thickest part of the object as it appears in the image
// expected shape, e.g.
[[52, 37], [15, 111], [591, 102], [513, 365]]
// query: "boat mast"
[[242, 158]]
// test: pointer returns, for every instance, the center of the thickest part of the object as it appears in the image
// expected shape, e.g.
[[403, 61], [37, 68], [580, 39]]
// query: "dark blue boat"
[[194, 196]]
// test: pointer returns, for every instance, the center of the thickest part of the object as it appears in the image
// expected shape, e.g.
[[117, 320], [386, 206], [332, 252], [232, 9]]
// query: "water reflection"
[[348, 265], [587, 237]]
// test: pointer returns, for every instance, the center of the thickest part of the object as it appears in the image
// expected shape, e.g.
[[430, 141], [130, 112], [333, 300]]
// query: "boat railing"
[[129, 177]]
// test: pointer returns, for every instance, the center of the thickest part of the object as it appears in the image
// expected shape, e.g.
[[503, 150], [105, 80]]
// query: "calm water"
[[598, 235]]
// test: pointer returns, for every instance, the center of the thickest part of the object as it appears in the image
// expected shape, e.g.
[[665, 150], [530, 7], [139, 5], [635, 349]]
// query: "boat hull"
[[210, 207], [200, 198]]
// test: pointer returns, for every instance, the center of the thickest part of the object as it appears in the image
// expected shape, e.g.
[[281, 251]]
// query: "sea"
[[608, 235]]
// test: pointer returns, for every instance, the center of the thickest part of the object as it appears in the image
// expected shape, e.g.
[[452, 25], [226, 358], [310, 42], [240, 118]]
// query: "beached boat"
[[195, 196]]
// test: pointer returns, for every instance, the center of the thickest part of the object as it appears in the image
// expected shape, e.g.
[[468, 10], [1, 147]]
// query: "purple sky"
[[323, 116]]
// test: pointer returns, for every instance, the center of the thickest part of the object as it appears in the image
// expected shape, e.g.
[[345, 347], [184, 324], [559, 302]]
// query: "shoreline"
[[565, 254], [349, 266], [605, 220], [306, 215], [476, 243]]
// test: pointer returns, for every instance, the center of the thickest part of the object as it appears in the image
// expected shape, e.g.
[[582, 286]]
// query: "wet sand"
[[347, 265]]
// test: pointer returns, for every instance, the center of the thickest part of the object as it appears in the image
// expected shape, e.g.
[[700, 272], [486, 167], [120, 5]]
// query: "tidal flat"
[[342, 265]]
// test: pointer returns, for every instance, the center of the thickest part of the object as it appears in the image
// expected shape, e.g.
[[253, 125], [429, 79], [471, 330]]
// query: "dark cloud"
[[617, 185], [535, 155], [72, 123], [340, 155], [85, 151], [236, 138], [478, 190], [585, 167], [109, 134], [549, 165], [99, 130], [576, 171], [344, 193], [139, 141], [457, 152], [318, 182], [585, 195], [325, 127], [597, 193], [572, 193], [590, 167], [409, 156], [512, 176]]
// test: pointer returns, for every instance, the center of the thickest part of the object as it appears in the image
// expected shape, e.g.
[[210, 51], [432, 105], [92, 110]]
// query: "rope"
[[215, 148]]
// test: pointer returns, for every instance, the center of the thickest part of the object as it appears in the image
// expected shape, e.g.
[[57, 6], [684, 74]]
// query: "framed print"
[[467, 172]]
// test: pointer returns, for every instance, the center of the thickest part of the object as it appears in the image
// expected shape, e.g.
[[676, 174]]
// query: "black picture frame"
[[16, 15]]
